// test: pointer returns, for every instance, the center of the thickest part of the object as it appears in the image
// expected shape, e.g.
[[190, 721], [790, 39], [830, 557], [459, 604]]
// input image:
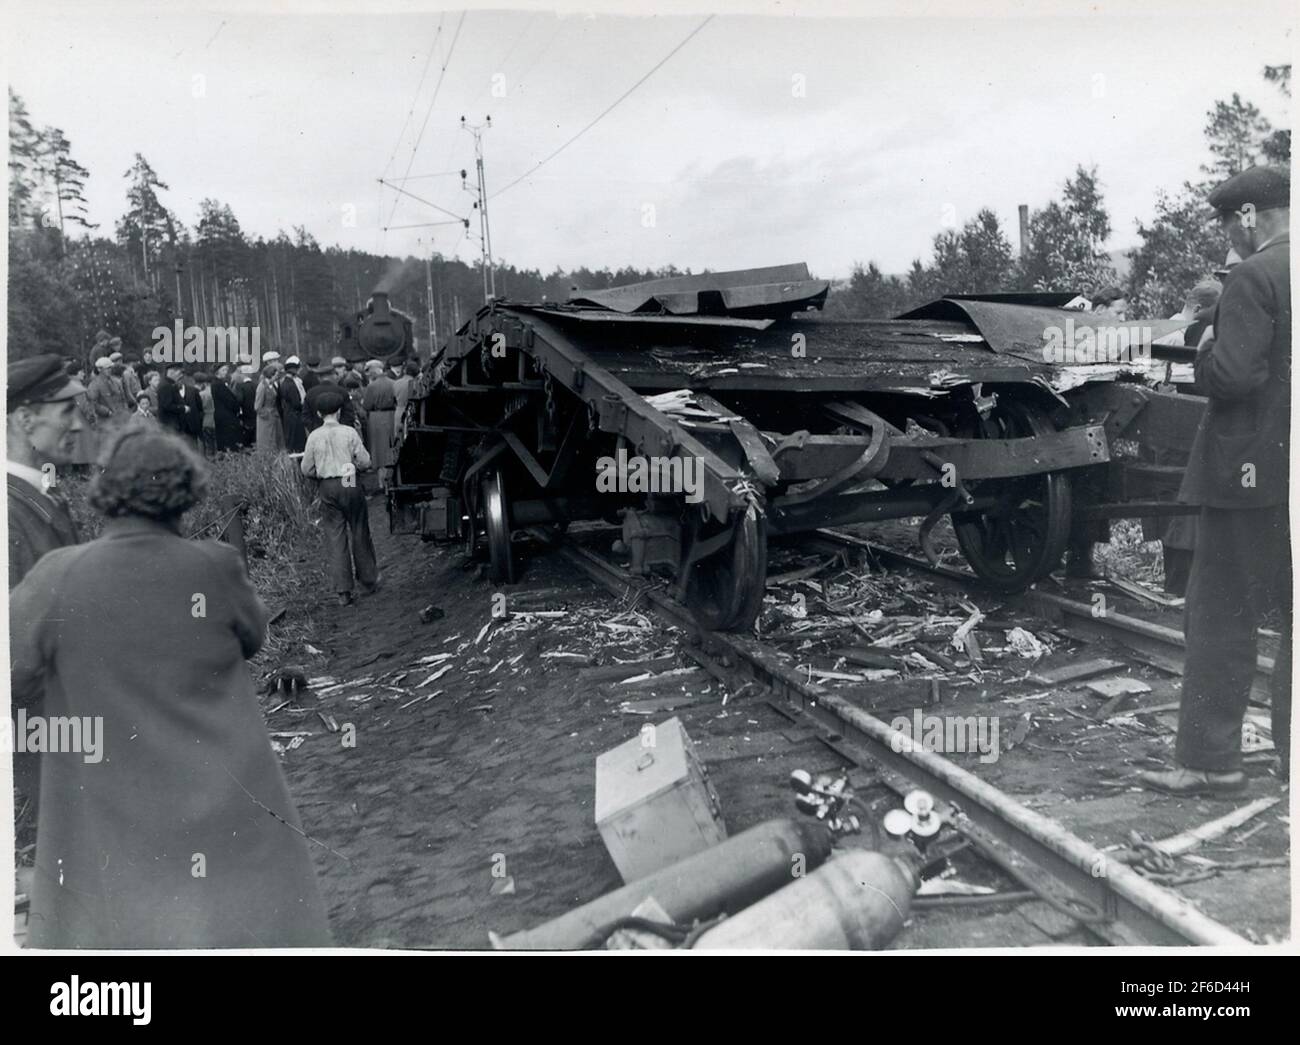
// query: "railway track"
[[1112, 902], [1155, 644]]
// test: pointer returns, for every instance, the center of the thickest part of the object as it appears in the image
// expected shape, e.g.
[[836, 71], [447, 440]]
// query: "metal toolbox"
[[654, 802]]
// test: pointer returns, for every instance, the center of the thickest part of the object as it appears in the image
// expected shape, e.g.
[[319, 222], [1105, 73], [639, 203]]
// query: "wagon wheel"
[[726, 571], [1021, 540], [473, 523], [496, 526]]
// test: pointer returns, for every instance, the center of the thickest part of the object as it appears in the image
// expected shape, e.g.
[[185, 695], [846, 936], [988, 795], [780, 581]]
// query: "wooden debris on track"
[[1185, 841]]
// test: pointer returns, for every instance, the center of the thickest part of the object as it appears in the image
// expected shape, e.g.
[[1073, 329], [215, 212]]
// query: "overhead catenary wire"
[[421, 225], [605, 112], [442, 73], [428, 59], [420, 199], [501, 62], [424, 177], [520, 79]]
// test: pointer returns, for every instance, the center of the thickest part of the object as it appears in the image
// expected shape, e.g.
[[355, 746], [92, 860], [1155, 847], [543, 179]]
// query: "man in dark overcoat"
[[179, 406], [226, 408], [1238, 475], [246, 392], [44, 421]]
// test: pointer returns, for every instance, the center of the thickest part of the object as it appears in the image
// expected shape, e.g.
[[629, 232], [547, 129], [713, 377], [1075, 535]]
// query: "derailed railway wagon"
[[709, 414]]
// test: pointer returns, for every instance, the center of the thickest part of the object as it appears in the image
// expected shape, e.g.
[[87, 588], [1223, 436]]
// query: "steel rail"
[[1146, 912]]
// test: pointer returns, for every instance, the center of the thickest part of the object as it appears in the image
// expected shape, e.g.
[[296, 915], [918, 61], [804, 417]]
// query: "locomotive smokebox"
[[381, 332]]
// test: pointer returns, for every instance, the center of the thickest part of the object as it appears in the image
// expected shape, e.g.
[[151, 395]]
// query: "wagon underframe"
[[789, 427]]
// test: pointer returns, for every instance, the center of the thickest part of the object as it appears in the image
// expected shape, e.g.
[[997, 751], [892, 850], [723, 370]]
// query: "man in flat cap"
[[1238, 475], [334, 454], [326, 379], [312, 375], [43, 423]]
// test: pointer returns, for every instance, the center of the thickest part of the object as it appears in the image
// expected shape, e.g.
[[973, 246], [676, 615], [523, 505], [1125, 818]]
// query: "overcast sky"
[[763, 140]]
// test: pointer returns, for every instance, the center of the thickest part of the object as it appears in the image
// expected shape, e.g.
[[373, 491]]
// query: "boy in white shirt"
[[334, 454]]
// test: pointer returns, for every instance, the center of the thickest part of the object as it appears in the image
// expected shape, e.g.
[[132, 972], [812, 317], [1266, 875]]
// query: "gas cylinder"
[[855, 902], [724, 877]]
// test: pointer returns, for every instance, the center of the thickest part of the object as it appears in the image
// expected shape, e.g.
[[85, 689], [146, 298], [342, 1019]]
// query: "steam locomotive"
[[377, 332]]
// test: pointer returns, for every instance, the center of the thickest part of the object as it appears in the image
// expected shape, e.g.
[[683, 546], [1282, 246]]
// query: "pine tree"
[[24, 165], [219, 238], [67, 176], [1181, 247], [224, 262], [1235, 132], [147, 225], [316, 297], [1277, 147]]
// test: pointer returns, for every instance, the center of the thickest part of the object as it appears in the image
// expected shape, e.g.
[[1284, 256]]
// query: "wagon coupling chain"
[[1146, 857], [548, 386]]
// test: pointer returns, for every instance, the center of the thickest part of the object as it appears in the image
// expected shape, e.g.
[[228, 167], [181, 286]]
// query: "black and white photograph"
[[646, 476]]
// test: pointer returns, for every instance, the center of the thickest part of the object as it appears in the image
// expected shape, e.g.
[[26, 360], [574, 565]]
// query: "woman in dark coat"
[[226, 407], [292, 394], [176, 829]]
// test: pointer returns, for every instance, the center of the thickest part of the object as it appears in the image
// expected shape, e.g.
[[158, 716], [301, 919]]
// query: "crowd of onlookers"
[[233, 407], [179, 761], [113, 866]]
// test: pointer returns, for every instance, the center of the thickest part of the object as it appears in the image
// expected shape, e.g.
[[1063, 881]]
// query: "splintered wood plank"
[[1119, 686], [1081, 670]]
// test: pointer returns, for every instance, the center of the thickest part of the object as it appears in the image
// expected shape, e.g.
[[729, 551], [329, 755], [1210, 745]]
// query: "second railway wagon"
[[762, 419]]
